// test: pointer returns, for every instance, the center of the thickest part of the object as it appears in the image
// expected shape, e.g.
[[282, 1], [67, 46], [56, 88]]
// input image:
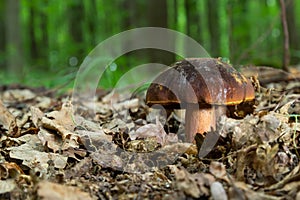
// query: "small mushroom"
[[204, 87]]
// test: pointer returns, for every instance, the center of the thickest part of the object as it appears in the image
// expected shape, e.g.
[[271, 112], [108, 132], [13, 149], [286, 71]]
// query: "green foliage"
[[57, 35], [116, 70]]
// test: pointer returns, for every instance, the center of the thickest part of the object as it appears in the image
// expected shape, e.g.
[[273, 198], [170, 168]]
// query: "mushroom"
[[204, 87]]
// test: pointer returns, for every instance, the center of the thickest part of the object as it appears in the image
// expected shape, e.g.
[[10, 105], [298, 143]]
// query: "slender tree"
[[286, 56], [75, 17], [239, 36], [131, 18], [37, 29], [193, 20], [13, 38], [294, 33], [44, 38], [214, 27], [157, 17], [2, 35], [34, 52], [92, 21]]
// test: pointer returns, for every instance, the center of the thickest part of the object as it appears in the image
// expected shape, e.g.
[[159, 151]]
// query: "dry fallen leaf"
[[7, 186], [71, 139], [8, 121], [31, 155], [53, 191], [36, 116], [93, 151], [217, 191], [218, 170], [10, 170], [186, 182], [50, 140], [94, 140], [194, 185], [154, 130], [63, 117], [18, 95]]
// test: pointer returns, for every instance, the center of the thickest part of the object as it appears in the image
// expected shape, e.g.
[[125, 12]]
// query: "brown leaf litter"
[[124, 150]]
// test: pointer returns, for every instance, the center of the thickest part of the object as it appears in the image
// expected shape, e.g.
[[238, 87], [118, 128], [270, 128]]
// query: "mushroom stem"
[[201, 120]]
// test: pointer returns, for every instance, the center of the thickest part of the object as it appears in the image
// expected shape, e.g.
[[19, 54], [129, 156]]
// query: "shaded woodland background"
[[44, 42]]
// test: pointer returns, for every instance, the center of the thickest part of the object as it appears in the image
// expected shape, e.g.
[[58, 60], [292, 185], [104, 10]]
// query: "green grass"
[[37, 78], [64, 78]]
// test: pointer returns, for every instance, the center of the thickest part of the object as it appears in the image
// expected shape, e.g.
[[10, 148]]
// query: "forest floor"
[[124, 150]]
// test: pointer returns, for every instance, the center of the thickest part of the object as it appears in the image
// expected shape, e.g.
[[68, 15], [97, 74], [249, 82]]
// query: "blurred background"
[[43, 42]]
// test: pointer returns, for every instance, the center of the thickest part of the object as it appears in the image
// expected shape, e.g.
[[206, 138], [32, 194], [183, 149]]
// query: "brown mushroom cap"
[[205, 81]]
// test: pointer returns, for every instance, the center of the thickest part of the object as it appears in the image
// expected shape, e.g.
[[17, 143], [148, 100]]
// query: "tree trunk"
[[2, 35], [34, 54], [286, 40], [37, 35], [214, 27], [92, 22], [132, 19], [13, 38], [193, 20], [44, 43], [75, 14], [132, 16], [157, 16], [293, 31], [238, 40]]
